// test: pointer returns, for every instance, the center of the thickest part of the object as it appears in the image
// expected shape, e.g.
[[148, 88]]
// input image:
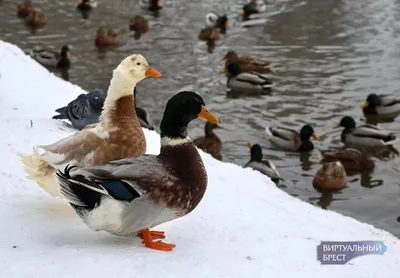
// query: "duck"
[[139, 24], [253, 7], [143, 116], [247, 63], [214, 20], [84, 110], [50, 58], [36, 19], [351, 159], [381, 105], [117, 135], [331, 177], [130, 196], [210, 142], [106, 37], [261, 165], [247, 82], [25, 8], [364, 136], [151, 4], [85, 5], [291, 140], [209, 34]]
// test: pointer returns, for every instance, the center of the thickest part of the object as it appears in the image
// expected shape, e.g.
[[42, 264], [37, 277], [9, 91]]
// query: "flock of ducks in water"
[[247, 75]]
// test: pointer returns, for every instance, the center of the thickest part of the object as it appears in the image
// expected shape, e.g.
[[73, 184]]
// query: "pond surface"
[[330, 54]]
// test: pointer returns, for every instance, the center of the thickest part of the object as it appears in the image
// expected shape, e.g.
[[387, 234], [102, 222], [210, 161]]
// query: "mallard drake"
[[351, 159], [129, 196], [381, 105], [252, 7], [247, 82], [85, 5], [210, 143], [291, 140], [50, 58], [216, 21], [25, 8], [99, 143], [139, 24], [247, 63], [84, 110], [151, 4], [264, 166], [331, 176], [35, 19], [106, 37], [364, 136]]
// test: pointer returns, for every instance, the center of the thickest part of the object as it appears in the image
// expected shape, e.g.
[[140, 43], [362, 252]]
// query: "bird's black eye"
[[138, 64]]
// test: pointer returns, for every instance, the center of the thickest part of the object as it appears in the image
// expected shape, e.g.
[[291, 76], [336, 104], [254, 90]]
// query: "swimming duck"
[[25, 8], [247, 63], [128, 197], [85, 5], [210, 143], [50, 58], [35, 19], [331, 176], [216, 21], [139, 24], [106, 37], [83, 110], [291, 140], [381, 105], [351, 159], [247, 82], [252, 7], [364, 136], [209, 34], [264, 166], [151, 4], [117, 135]]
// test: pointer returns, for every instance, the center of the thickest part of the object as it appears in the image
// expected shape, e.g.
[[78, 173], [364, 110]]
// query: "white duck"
[[117, 135]]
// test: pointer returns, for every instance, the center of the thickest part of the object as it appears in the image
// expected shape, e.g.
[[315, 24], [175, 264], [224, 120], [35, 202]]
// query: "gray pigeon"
[[86, 109], [83, 110]]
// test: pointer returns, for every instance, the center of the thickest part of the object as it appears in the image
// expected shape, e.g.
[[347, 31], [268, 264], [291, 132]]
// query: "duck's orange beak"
[[315, 136], [207, 115], [250, 145], [152, 72], [365, 104], [337, 126]]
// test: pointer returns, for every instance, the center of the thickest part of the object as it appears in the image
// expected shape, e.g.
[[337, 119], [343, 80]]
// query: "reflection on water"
[[330, 54]]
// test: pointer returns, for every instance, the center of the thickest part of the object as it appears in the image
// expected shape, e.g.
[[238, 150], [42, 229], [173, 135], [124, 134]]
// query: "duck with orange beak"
[[128, 197]]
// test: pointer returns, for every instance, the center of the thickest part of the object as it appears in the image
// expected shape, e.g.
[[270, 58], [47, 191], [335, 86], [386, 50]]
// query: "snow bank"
[[244, 227]]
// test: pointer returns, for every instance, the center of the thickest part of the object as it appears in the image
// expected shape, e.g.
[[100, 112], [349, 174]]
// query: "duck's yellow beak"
[[80, 1], [152, 72], [158, 4], [133, 22], [250, 145], [337, 126], [224, 70], [365, 104], [242, 12], [315, 136], [227, 24], [67, 53], [207, 115]]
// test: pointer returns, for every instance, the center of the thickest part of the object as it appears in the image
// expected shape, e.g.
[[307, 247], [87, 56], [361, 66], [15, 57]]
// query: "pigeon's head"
[[97, 98]]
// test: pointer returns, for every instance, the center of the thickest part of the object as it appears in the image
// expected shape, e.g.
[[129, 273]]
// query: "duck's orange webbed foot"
[[147, 236], [154, 234]]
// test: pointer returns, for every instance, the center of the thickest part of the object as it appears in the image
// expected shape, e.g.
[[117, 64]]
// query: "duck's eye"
[[138, 64]]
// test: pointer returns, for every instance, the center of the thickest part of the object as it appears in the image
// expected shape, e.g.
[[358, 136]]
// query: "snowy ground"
[[244, 227]]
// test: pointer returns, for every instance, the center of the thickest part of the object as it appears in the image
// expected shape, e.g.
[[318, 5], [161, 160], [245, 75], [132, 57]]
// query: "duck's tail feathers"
[[268, 131], [268, 85], [391, 140], [270, 68], [40, 171]]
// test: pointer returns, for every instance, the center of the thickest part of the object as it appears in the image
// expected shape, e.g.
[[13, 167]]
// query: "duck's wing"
[[254, 78], [124, 179], [388, 100], [371, 132], [265, 167], [283, 133]]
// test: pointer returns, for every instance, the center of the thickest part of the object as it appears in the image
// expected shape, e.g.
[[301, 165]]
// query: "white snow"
[[244, 227]]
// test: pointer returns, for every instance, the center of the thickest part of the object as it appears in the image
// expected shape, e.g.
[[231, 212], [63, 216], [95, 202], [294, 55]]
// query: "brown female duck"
[[106, 37], [331, 176], [25, 8], [210, 143], [247, 63], [128, 197], [36, 19], [351, 159]]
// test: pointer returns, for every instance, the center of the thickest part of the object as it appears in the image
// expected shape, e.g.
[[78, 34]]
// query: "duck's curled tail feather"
[[40, 171]]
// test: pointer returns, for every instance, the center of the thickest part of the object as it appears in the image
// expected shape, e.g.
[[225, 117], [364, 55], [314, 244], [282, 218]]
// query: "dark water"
[[331, 54]]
